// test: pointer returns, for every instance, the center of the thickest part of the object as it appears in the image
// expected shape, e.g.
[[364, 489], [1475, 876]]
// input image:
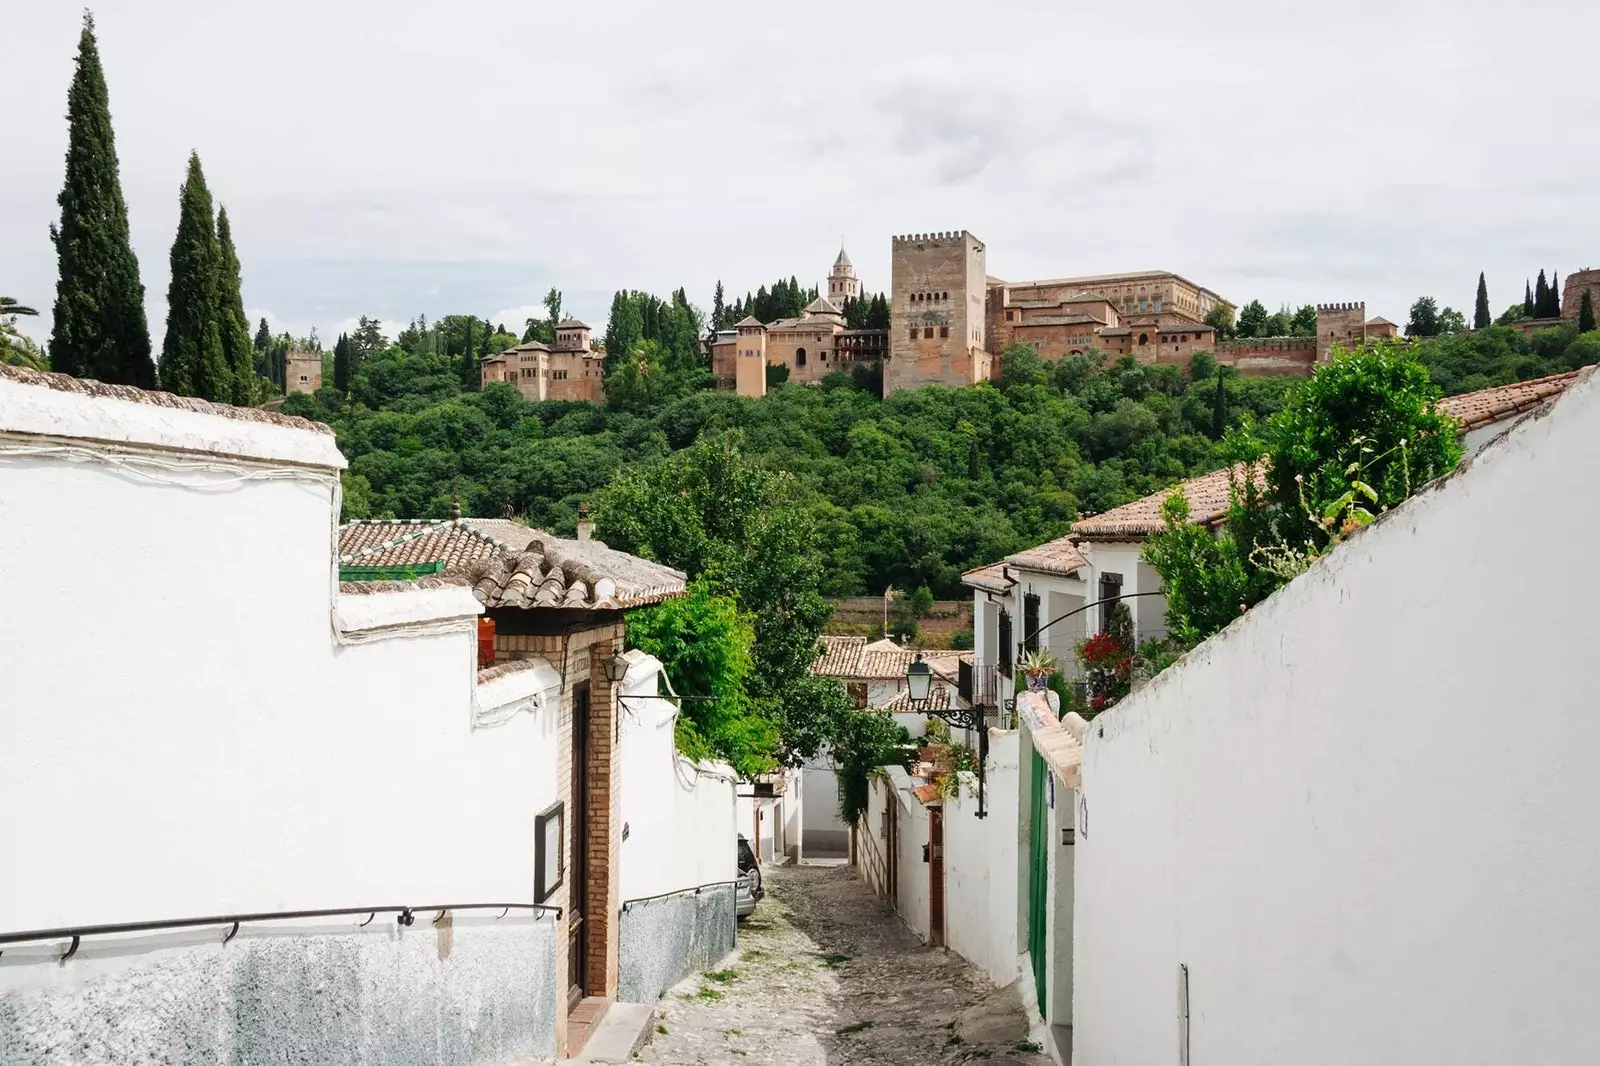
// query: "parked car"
[[748, 892]]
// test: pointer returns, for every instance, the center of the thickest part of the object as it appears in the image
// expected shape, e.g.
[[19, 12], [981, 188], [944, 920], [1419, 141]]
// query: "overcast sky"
[[424, 156]]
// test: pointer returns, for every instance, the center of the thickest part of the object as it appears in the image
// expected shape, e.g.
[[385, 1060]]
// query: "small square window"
[[913, 332], [927, 333], [944, 331]]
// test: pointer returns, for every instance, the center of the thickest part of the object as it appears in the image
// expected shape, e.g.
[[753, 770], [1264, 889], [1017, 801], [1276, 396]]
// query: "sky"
[[430, 157]]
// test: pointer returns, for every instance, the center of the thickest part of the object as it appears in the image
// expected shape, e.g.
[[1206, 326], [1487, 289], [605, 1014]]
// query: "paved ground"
[[826, 974]]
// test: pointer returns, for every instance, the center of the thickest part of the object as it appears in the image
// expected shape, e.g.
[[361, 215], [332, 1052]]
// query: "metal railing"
[[696, 890], [404, 915]]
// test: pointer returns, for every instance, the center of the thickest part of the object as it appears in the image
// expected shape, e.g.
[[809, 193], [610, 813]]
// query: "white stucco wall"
[[981, 866], [824, 832], [911, 872], [180, 733], [1364, 815], [679, 815]]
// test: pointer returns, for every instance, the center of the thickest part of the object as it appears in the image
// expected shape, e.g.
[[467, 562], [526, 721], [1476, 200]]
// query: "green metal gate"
[[1038, 876]]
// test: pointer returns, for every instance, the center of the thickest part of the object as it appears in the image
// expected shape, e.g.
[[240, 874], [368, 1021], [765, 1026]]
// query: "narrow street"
[[825, 973]]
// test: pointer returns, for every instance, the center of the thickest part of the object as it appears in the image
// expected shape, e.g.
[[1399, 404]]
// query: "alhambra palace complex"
[[951, 321]]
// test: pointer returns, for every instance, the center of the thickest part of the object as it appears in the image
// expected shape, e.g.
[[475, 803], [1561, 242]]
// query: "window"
[[304, 380], [858, 694], [944, 331], [1005, 642], [799, 357], [927, 333], [1110, 588], [1030, 622], [1008, 316], [913, 332], [1144, 338]]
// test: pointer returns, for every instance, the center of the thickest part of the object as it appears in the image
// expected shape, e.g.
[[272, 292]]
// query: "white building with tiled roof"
[[1103, 555]]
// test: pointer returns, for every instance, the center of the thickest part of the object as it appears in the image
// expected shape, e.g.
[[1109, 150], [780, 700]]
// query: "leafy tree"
[[1303, 323], [100, 330], [1205, 576], [237, 348], [193, 360], [1480, 310], [1586, 313], [1202, 366], [1253, 320], [1424, 320], [1021, 365], [15, 348], [921, 602], [704, 644], [777, 374], [1220, 318], [863, 742], [1452, 321]]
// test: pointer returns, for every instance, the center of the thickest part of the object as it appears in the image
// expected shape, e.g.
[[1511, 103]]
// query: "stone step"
[[620, 1033]]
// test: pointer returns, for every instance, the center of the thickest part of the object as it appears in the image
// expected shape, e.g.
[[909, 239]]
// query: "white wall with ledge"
[[1362, 816], [194, 722]]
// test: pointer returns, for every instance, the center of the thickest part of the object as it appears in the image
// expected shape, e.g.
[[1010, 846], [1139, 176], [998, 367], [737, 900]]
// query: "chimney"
[[585, 523], [455, 508]]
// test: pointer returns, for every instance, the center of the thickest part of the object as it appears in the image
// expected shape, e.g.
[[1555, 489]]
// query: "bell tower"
[[842, 281]]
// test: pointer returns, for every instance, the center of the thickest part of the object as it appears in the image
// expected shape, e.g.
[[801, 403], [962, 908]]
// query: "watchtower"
[[1344, 324], [936, 328], [842, 281]]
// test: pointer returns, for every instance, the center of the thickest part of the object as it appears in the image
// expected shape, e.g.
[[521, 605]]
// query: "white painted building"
[[1357, 825], [199, 723]]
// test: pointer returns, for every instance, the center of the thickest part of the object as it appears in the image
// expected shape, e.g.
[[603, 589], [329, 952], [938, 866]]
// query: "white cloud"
[[450, 158]]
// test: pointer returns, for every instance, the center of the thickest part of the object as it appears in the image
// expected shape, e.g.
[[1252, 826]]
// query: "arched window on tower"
[[1144, 338], [799, 357]]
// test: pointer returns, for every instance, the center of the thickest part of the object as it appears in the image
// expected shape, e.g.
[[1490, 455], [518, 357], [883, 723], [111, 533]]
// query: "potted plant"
[[1037, 666]]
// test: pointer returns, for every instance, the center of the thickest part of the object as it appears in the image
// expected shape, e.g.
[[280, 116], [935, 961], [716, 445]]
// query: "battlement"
[[1323, 309], [1267, 344], [930, 238]]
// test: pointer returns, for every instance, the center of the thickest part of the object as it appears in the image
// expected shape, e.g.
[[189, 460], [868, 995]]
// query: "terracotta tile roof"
[[1208, 502], [1059, 556], [89, 387], [940, 698], [572, 323], [991, 578], [530, 568], [1474, 410], [852, 658], [926, 793]]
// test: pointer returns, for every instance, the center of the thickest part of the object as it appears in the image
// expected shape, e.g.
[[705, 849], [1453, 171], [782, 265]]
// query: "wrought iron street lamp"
[[919, 693]]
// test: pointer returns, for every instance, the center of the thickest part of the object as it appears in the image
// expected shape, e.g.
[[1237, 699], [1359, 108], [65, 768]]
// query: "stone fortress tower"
[[937, 331], [1344, 324], [842, 281]]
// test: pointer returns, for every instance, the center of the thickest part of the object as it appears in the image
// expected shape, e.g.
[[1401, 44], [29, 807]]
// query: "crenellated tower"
[[1342, 324], [937, 325]]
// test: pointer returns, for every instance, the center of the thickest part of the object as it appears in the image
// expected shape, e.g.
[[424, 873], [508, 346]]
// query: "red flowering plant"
[[1108, 660]]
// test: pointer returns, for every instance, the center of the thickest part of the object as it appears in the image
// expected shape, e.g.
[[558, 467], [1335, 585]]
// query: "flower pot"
[[1038, 682]]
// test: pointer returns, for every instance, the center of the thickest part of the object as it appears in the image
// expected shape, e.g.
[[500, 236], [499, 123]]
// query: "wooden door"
[[936, 876], [577, 931]]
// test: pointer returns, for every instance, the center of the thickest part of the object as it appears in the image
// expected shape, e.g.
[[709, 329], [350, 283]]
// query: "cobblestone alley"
[[825, 973]]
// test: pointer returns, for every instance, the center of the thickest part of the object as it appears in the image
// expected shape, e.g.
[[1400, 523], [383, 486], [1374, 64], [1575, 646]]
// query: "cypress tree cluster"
[[100, 330], [237, 347], [1527, 299], [1480, 311], [193, 361]]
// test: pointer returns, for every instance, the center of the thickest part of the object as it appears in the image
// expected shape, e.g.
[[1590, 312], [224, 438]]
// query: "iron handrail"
[[406, 916], [697, 889]]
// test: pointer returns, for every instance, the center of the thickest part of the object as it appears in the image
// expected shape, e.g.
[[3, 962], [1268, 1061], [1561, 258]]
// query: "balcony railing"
[[982, 684]]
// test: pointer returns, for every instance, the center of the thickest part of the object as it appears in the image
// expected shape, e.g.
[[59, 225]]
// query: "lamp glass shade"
[[919, 680], [616, 669]]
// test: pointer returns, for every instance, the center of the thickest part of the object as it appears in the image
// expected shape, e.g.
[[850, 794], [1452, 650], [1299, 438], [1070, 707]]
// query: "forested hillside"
[[905, 491]]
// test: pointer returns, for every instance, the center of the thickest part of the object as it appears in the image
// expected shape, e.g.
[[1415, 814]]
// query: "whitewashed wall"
[[980, 862], [181, 735], [1364, 815], [680, 816], [911, 833], [824, 831]]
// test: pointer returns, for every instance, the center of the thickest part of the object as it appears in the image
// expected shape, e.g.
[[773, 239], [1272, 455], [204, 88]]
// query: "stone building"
[[811, 346], [568, 370], [1578, 283], [302, 372], [937, 326]]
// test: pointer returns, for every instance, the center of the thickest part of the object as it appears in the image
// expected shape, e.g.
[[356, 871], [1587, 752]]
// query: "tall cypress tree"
[[100, 327], [263, 336], [237, 347], [342, 364], [1586, 313], [1541, 296], [193, 362], [1527, 298], [1480, 312], [1553, 308]]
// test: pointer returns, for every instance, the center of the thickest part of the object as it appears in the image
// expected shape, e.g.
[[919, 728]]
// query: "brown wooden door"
[[936, 876], [577, 931]]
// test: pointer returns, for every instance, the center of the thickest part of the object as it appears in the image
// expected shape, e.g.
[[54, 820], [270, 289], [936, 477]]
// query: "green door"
[[1038, 876]]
